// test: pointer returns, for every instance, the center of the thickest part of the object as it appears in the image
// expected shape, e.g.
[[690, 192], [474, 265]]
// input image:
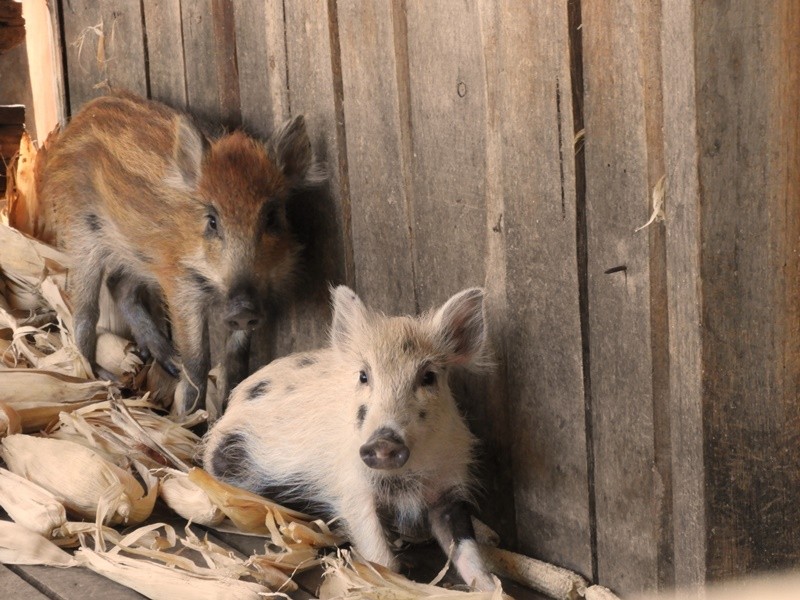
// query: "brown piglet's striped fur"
[[144, 202]]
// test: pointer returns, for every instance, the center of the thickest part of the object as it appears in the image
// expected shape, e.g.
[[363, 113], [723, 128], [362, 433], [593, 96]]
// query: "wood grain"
[[165, 60], [618, 191], [261, 58], [209, 45], [542, 332], [14, 586], [747, 105], [683, 246], [104, 49], [384, 269]]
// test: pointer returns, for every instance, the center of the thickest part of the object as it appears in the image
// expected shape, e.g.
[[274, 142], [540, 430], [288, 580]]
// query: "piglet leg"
[[130, 296], [237, 362], [365, 529], [190, 331], [452, 525]]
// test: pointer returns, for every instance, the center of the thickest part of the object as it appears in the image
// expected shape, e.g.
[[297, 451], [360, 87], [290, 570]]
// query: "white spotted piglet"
[[366, 429]]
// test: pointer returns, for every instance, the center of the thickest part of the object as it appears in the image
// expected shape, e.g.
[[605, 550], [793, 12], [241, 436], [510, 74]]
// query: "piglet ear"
[[349, 314], [461, 327], [190, 148], [291, 149]]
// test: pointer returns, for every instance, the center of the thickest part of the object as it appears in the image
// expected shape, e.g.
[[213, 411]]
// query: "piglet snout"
[[384, 450], [242, 312]]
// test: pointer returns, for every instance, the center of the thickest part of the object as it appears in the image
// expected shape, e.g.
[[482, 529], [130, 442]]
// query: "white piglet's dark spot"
[[231, 461], [361, 415], [306, 361], [258, 390]]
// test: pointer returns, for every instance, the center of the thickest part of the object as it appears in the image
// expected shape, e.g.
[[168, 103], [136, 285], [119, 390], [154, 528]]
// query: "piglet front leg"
[[365, 529], [451, 524]]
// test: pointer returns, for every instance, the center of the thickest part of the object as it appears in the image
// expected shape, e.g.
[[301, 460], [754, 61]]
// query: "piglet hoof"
[[106, 375], [170, 368], [484, 583], [187, 399]]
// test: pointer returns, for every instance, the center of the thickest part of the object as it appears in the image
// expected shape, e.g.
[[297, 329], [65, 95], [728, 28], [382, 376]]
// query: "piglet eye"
[[362, 377], [212, 223], [428, 378]]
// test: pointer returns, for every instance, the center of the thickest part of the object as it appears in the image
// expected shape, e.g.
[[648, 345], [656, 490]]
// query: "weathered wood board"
[[104, 44], [542, 335]]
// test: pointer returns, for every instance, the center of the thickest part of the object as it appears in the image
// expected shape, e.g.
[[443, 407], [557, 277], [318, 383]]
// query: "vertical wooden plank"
[[544, 378], [261, 56], [322, 218], [452, 142], [165, 61], [209, 44], [105, 48], [384, 269], [628, 484], [683, 245], [448, 112], [748, 102], [45, 68]]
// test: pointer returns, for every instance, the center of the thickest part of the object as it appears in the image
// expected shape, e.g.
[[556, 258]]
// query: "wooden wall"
[[643, 422]]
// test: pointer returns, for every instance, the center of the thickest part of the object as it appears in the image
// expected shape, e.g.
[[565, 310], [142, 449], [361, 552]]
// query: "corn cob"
[[10, 422], [27, 386], [598, 592], [30, 505], [115, 355], [26, 261], [88, 485], [552, 581], [20, 546], [188, 500]]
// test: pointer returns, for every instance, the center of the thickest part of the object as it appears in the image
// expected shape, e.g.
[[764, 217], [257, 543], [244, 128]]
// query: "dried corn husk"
[[88, 485], [30, 505], [125, 429], [188, 499], [295, 558], [28, 386], [24, 263], [348, 577], [10, 421], [115, 355], [223, 559], [598, 592], [20, 546], [161, 582], [552, 581], [254, 514], [151, 543]]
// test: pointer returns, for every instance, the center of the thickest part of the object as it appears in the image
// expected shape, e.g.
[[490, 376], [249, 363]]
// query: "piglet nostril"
[[400, 456], [244, 318], [384, 453]]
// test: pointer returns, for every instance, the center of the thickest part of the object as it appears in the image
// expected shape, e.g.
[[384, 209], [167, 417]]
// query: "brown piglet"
[[146, 203]]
